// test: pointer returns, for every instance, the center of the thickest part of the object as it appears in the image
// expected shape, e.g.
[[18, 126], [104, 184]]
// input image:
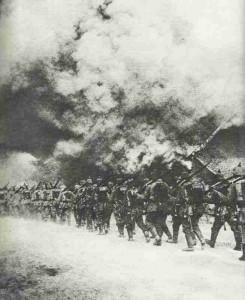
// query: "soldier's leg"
[[176, 225], [242, 226], [79, 217], [130, 224], [197, 230], [236, 231], [90, 219], [150, 224], [188, 234], [218, 223], [120, 224], [165, 227], [140, 223], [68, 216]]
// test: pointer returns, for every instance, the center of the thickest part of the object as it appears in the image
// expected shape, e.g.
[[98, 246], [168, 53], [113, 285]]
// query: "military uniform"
[[157, 209], [224, 211], [236, 196], [54, 209], [37, 204], [119, 197], [66, 200], [90, 205], [195, 194], [26, 202], [3, 202], [102, 212], [46, 196], [136, 204], [81, 203]]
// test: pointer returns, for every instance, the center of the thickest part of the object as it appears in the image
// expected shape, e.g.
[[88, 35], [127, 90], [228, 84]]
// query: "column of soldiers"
[[145, 203]]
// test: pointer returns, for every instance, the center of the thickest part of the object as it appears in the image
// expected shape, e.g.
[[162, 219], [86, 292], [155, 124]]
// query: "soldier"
[[81, 204], [157, 198], [46, 196], [3, 202], [236, 198], [102, 205], [54, 210], [66, 201], [89, 194], [17, 202], [136, 205], [182, 200], [37, 203], [195, 191], [224, 211], [26, 201], [119, 198], [11, 192], [110, 205]]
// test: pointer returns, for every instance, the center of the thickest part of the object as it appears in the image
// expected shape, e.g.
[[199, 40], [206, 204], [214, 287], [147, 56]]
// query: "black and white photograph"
[[122, 149]]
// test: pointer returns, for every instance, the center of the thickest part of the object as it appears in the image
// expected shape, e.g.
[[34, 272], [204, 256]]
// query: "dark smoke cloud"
[[115, 86]]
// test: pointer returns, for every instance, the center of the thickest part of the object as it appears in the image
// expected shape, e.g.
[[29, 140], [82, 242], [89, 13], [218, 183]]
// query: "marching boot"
[[158, 241], [130, 235], [243, 253], [147, 238], [238, 244], [174, 240], [100, 230], [190, 246], [106, 229], [212, 240], [121, 231]]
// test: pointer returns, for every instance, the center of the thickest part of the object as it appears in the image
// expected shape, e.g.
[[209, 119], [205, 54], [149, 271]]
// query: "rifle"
[[188, 178], [26, 186], [57, 182], [38, 185], [21, 187], [209, 139], [4, 188], [226, 182]]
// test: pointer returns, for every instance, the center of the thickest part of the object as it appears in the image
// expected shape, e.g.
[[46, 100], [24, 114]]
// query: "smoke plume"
[[112, 85]]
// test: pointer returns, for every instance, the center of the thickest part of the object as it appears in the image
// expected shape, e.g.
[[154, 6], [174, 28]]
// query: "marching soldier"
[[54, 209], [26, 201], [37, 203], [225, 211], [119, 197], [236, 197], [81, 204], [89, 194], [157, 198], [102, 201], [136, 205], [3, 202], [66, 200]]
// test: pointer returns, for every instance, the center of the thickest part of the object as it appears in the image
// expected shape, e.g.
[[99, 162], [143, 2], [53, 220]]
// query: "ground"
[[51, 261]]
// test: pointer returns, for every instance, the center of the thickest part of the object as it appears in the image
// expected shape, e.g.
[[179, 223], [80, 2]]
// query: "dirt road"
[[50, 261]]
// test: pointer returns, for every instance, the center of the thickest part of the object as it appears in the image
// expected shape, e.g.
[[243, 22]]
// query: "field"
[[51, 261]]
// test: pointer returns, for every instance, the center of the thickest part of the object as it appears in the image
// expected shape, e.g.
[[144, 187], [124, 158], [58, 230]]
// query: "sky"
[[119, 56]]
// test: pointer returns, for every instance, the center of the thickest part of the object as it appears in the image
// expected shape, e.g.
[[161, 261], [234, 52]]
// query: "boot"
[[190, 246], [171, 241], [238, 244], [158, 241], [100, 230], [203, 246], [212, 240], [121, 232], [243, 253], [130, 235], [147, 238]]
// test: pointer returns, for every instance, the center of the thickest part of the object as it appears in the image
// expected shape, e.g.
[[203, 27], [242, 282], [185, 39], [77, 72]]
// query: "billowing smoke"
[[95, 85]]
